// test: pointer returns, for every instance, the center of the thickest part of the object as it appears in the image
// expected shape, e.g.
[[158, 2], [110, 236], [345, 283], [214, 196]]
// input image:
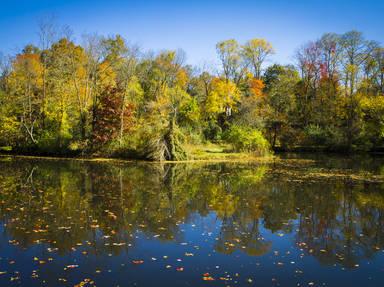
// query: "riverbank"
[[196, 153], [210, 152]]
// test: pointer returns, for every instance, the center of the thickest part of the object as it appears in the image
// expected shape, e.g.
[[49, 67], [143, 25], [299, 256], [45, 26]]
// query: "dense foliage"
[[106, 97]]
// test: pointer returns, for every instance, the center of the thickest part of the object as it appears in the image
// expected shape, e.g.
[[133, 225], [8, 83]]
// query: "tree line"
[[105, 96]]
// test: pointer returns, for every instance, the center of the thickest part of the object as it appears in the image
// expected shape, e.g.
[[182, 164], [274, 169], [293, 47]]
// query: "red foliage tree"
[[108, 116]]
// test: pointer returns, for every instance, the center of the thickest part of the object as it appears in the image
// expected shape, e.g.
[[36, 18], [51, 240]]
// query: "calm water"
[[300, 221]]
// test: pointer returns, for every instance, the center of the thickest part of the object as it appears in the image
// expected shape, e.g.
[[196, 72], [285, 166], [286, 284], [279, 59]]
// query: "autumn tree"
[[255, 52], [64, 70], [280, 86], [10, 125], [48, 33], [25, 85], [231, 60], [107, 116], [164, 81], [356, 51], [252, 104], [223, 97], [129, 83]]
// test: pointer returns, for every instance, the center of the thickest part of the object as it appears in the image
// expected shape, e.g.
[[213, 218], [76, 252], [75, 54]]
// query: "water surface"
[[299, 221]]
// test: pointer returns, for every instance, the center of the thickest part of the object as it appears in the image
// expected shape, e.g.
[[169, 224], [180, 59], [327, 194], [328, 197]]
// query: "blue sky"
[[195, 26]]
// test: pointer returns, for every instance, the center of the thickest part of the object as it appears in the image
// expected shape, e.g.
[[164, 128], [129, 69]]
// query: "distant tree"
[[231, 60], [255, 52]]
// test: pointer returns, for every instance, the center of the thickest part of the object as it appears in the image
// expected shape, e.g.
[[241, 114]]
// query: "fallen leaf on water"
[[118, 244], [208, 278], [71, 266], [137, 261]]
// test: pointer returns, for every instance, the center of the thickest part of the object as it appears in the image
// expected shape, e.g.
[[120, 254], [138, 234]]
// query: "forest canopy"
[[104, 96]]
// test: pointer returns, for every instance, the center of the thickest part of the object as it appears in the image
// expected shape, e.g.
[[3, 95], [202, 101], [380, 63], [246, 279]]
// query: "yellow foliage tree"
[[255, 52], [25, 82], [223, 97]]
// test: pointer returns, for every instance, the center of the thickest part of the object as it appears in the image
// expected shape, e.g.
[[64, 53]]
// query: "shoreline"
[[207, 158], [122, 160]]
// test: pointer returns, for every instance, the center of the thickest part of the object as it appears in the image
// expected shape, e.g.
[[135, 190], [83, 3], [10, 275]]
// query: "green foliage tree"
[[280, 85]]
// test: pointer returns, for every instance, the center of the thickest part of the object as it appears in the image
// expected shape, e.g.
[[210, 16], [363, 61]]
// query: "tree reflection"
[[68, 204]]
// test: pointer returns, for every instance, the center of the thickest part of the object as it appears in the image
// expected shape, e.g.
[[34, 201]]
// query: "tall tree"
[[255, 52], [356, 51], [48, 33], [231, 60], [25, 84]]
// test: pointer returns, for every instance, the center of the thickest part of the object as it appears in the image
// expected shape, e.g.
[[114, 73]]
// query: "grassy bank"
[[201, 152], [219, 152]]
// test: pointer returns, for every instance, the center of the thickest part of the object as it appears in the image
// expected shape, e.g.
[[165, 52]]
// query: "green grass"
[[218, 152], [5, 148]]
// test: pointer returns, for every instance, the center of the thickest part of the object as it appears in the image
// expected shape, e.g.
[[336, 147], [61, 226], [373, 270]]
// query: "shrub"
[[315, 135], [213, 131], [248, 140], [9, 131]]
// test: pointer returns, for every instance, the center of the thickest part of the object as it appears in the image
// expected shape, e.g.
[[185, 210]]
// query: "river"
[[298, 220]]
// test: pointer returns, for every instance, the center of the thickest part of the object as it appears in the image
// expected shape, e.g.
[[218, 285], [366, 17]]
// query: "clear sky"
[[195, 26]]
